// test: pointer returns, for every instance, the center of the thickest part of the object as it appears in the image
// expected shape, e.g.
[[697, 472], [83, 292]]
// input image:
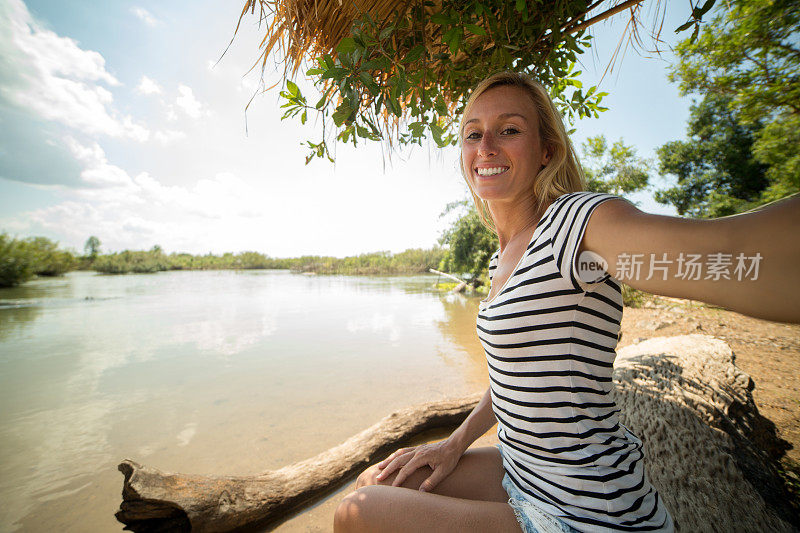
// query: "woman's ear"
[[547, 152]]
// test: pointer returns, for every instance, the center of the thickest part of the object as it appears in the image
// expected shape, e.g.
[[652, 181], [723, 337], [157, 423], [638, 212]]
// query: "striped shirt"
[[550, 342]]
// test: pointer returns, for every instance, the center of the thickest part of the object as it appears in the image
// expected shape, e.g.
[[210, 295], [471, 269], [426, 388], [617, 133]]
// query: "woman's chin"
[[490, 195]]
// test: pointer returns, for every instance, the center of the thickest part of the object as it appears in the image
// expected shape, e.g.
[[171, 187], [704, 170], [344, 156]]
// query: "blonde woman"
[[549, 327]]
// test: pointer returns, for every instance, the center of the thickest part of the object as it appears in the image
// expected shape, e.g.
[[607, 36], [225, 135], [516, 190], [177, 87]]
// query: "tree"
[[614, 171], [17, 264], [92, 247], [717, 172], [748, 60], [470, 243]]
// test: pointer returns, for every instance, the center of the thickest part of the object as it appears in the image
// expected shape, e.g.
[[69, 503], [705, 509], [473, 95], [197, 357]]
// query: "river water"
[[220, 372]]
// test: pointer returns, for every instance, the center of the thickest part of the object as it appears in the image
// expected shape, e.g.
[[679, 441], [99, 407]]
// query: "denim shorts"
[[530, 517]]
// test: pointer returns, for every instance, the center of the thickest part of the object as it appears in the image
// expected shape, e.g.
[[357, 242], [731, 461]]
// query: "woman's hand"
[[442, 457]]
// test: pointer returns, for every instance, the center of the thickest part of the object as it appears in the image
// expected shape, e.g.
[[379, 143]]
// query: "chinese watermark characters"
[[690, 267]]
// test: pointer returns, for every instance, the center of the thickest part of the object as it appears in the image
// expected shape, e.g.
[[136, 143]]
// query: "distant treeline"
[[407, 262], [22, 259]]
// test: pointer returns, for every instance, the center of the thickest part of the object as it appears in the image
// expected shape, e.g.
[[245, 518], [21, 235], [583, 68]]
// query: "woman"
[[549, 328]]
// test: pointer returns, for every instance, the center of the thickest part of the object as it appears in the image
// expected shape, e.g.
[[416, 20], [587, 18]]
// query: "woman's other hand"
[[441, 457]]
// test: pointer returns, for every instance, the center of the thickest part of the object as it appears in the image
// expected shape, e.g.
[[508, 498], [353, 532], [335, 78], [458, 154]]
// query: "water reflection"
[[15, 316]]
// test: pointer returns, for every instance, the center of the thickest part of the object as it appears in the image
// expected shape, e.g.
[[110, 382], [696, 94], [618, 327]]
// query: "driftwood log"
[[162, 501]]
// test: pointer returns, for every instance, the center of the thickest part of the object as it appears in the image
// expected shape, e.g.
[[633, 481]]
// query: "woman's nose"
[[487, 147]]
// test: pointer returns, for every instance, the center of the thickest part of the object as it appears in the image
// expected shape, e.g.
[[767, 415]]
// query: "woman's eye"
[[473, 135], [510, 131]]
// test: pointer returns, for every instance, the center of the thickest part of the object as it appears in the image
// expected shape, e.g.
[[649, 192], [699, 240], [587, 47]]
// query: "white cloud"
[[145, 16], [127, 212], [190, 105], [169, 136], [148, 86], [52, 77], [97, 170], [172, 115]]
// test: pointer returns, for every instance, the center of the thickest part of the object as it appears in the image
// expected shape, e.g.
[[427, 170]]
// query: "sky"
[[125, 121]]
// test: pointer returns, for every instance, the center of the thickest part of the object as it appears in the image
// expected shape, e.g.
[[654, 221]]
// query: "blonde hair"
[[562, 174]]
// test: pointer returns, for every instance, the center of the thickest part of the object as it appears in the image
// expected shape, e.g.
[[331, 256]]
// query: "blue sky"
[[117, 121]]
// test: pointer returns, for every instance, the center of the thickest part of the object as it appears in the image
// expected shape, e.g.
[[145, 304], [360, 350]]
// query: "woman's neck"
[[514, 218]]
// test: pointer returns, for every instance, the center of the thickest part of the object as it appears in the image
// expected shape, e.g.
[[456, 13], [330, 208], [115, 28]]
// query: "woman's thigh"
[[381, 509], [477, 476]]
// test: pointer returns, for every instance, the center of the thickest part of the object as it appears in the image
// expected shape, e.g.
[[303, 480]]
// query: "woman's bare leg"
[[471, 498], [477, 476]]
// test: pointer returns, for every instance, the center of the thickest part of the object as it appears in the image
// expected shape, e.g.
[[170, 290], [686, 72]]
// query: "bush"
[[16, 263], [634, 297]]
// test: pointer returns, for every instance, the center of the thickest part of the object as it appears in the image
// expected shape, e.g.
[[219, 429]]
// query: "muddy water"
[[206, 372]]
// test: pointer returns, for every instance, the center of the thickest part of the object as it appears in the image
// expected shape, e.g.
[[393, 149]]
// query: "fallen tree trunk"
[[162, 501]]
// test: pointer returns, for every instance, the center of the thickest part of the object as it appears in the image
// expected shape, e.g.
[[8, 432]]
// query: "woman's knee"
[[358, 510], [368, 477]]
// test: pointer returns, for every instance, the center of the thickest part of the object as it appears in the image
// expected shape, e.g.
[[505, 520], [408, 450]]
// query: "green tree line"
[[155, 260], [23, 259]]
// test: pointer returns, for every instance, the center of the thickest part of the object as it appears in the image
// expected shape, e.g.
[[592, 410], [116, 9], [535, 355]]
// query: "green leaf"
[[414, 54], [346, 46], [372, 64], [452, 38], [477, 30], [708, 5], [314, 71], [440, 106], [303, 117], [394, 107], [336, 73], [440, 19], [386, 32], [684, 26], [365, 78], [520, 6], [292, 88], [417, 128], [342, 113], [324, 99]]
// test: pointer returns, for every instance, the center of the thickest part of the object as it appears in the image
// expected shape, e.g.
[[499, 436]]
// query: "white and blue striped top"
[[550, 342]]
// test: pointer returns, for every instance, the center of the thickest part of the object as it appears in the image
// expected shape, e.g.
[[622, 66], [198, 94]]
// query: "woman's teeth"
[[491, 171]]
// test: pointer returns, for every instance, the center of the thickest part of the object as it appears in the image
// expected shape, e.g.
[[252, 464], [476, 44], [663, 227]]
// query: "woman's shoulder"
[[578, 204], [584, 195]]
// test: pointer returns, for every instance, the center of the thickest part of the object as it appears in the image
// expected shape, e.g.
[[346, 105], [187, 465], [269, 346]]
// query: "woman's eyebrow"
[[501, 116]]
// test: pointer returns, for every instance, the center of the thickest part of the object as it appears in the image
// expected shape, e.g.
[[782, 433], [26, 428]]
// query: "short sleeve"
[[571, 213]]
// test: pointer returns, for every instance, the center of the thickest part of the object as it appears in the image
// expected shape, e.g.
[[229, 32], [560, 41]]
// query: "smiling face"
[[501, 151]]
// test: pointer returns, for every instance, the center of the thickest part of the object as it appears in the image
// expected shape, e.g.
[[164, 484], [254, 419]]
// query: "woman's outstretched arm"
[[749, 263]]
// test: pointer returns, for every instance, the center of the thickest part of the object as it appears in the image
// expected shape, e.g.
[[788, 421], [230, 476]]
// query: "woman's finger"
[[396, 463], [397, 452], [433, 480], [407, 470]]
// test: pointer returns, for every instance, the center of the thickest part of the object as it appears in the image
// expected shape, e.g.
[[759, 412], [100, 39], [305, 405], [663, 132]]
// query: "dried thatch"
[[305, 29]]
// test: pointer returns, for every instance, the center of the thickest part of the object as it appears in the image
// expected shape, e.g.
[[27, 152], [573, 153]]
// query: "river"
[[216, 372]]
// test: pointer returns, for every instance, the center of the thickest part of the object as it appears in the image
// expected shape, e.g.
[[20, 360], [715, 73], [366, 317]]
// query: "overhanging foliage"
[[399, 71]]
